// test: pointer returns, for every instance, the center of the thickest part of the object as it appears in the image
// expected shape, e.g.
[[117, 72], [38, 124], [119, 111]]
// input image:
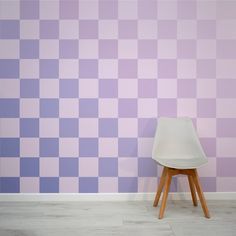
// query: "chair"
[[177, 148]]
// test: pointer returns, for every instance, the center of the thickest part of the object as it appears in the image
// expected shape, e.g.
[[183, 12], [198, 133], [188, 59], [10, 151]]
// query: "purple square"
[[226, 127], [88, 147], [147, 48], [88, 107], [29, 88], [49, 68], [127, 147], [88, 184], [167, 107], [128, 108], [128, 29], [9, 68], [226, 88], [146, 127], [209, 146], [108, 127], [187, 9], [128, 185], [108, 167], [186, 48], [10, 147], [186, 88], [29, 9], [69, 9], [206, 108], [9, 185], [9, 108], [167, 29], [108, 9], [206, 68], [206, 29], [69, 127], [29, 49], [29, 167], [147, 88], [147, 9], [88, 29], [108, 48], [128, 68], [69, 88], [68, 167], [208, 183], [68, 48], [49, 185], [88, 69], [226, 167], [49, 147], [29, 127], [49, 107], [167, 69], [49, 29], [10, 29], [225, 49], [147, 167], [108, 88]]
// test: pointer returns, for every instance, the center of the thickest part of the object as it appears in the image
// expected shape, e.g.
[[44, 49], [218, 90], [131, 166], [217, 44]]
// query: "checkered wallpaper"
[[83, 82]]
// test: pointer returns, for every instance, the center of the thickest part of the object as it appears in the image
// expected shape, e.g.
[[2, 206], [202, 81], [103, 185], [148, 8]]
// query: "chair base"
[[194, 183]]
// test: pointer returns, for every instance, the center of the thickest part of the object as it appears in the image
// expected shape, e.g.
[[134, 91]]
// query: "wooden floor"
[[115, 218]]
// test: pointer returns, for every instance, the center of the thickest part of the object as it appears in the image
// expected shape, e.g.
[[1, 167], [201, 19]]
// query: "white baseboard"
[[32, 197]]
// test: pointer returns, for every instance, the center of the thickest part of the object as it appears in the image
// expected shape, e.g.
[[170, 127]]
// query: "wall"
[[82, 84]]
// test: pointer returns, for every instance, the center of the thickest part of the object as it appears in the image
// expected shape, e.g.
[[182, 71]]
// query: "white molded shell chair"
[[177, 148]]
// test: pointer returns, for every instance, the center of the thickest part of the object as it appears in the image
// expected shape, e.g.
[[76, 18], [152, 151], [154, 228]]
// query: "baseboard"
[[108, 196]]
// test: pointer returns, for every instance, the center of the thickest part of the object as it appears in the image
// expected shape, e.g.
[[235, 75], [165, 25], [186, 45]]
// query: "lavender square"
[[127, 108], [186, 49], [208, 184], [88, 147], [49, 147], [29, 49], [88, 107], [29, 88], [128, 185], [209, 146], [206, 108], [29, 127], [88, 184], [226, 88], [9, 185], [9, 68], [147, 48], [49, 29], [108, 88], [167, 29], [147, 9], [147, 167], [68, 48], [128, 29], [29, 9], [10, 29], [127, 68], [146, 127], [127, 147], [187, 9], [49, 107], [69, 127], [206, 68], [147, 88], [167, 69], [206, 29], [226, 167], [49, 185], [88, 69], [29, 167], [108, 49], [226, 127], [68, 167], [69, 88], [186, 88], [167, 107], [10, 147], [108, 127], [88, 29], [108, 9], [108, 167], [9, 108], [49, 68], [69, 9]]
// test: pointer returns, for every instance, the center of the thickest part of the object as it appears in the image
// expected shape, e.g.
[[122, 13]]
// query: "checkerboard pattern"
[[83, 82]]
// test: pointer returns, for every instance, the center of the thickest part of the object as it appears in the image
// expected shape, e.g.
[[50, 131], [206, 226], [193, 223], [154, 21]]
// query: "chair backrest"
[[176, 138]]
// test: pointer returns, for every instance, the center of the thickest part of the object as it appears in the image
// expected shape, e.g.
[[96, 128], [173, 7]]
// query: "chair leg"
[[160, 187], [200, 194], [165, 194], [192, 189]]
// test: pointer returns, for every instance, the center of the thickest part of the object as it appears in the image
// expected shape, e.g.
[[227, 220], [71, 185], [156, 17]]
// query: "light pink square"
[[147, 29], [29, 29], [108, 29], [127, 88], [225, 69], [49, 127], [206, 127], [88, 88], [226, 184], [88, 9], [88, 127], [108, 147], [10, 88], [224, 29], [29, 184], [4, 49], [186, 29], [128, 10], [225, 147], [69, 29], [68, 69], [108, 108], [186, 69], [187, 108], [127, 49], [147, 69], [147, 108], [29, 68], [226, 108], [206, 49], [68, 147], [10, 10], [88, 48], [49, 10], [9, 127], [127, 127], [88, 167], [147, 185], [49, 88], [167, 88], [127, 167], [49, 49], [167, 49], [108, 185], [49, 167], [209, 169], [29, 108], [182, 184], [9, 167], [145, 147], [167, 10], [68, 185], [29, 147], [69, 108], [206, 88], [108, 69]]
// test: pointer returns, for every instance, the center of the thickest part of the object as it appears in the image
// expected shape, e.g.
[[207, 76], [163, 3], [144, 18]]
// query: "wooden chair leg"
[[200, 194], [192, 189], [160, 187], [165, 194]]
